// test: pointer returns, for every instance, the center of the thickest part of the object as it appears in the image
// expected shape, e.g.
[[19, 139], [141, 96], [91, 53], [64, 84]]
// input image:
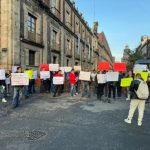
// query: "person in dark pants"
[[111, 88], [17, 92], [59, 86], [119, 88], [100, 88]]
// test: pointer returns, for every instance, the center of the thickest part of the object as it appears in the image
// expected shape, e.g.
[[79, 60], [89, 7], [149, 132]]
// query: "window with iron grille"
[[54, 36], [31, 23], [31, 57]]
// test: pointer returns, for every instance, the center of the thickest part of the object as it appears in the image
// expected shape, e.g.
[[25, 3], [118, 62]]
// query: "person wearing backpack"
[[139, 94]]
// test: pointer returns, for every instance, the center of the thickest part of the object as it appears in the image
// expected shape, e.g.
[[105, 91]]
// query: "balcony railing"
[[34, 37], [55, 46]]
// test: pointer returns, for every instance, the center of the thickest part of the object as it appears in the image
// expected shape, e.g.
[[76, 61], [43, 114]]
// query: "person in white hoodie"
[[2, 91]]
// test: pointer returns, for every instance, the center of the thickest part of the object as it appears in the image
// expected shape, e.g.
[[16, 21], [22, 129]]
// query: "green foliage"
[[134, 55]]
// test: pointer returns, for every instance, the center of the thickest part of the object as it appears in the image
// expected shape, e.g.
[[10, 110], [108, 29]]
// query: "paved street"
[[66, 123]]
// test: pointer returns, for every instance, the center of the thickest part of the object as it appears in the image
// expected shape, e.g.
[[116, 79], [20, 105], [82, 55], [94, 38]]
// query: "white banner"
[[101, 78], [53, 67], [44, 74], [58, 80], [112, 76], [85, 76], [139, 68], [66, 69], [35, 75], [19, 79], [77, 68], [2, 74]]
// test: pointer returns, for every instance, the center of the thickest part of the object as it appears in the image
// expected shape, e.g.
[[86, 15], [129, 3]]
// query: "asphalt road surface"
[[71, 123]]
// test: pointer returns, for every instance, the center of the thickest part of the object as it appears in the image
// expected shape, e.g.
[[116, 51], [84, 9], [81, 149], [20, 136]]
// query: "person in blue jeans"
[[17, 94]]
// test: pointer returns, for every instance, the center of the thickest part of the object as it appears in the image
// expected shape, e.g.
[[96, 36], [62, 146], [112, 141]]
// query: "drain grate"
[[34, 135]]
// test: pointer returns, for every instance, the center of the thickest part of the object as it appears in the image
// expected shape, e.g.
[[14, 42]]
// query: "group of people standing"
[[73, 84]]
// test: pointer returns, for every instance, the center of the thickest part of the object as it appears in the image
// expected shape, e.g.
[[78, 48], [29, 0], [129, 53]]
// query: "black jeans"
[[119, 89], [111, 88], [58, 89], [100, 90]]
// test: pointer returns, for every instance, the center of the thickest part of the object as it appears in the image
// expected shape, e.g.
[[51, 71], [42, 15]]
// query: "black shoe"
[[26, 97]]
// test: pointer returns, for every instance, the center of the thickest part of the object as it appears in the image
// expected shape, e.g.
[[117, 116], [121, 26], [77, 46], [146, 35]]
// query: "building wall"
[[61, 35]]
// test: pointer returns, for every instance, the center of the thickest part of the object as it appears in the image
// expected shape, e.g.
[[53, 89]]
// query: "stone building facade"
[[144, 46], [126, 54], [104, 49], [33, 32]]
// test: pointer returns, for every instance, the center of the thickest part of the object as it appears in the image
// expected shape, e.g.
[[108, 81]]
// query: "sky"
[[122, 21]]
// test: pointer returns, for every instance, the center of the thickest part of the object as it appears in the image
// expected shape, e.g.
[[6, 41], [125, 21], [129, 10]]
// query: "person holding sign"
[[112, 85], [58, 86], [72, 79], [17, 95], [8, 82], [85, 78], [93, 82], [100, 84], [130, 75]]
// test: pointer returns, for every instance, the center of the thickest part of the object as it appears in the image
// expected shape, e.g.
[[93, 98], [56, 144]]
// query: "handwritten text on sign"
[[44, 74], [112, 76], [126, 82], [139, 68], [53, 67], [85, 76], [19, 79], [58, 80], [101, 78]]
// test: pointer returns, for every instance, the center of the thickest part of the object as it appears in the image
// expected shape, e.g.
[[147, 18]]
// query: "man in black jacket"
[[136, 102]]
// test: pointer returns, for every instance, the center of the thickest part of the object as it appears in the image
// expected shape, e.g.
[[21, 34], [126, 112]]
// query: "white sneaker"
[[76, 93], [127, 121], [139, 123], [4, 100], [127, 99]]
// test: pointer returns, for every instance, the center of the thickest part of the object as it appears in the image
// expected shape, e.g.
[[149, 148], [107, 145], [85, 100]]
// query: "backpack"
[[142, 91]]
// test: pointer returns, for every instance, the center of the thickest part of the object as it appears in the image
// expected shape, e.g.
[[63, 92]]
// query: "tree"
[[134, 55]]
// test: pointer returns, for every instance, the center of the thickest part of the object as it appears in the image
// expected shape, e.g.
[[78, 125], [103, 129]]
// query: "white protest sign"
[[139, 68], [44, 74], [2, 74], [19, 79], [66, 69], [101, 78], [58, 80], [35, 75], [14, 69], [53, 67], [112, 76], [77, 68], [85, 76]]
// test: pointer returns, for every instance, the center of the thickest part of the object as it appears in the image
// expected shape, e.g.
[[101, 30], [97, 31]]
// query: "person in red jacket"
[[72, 79], [58, 87]]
